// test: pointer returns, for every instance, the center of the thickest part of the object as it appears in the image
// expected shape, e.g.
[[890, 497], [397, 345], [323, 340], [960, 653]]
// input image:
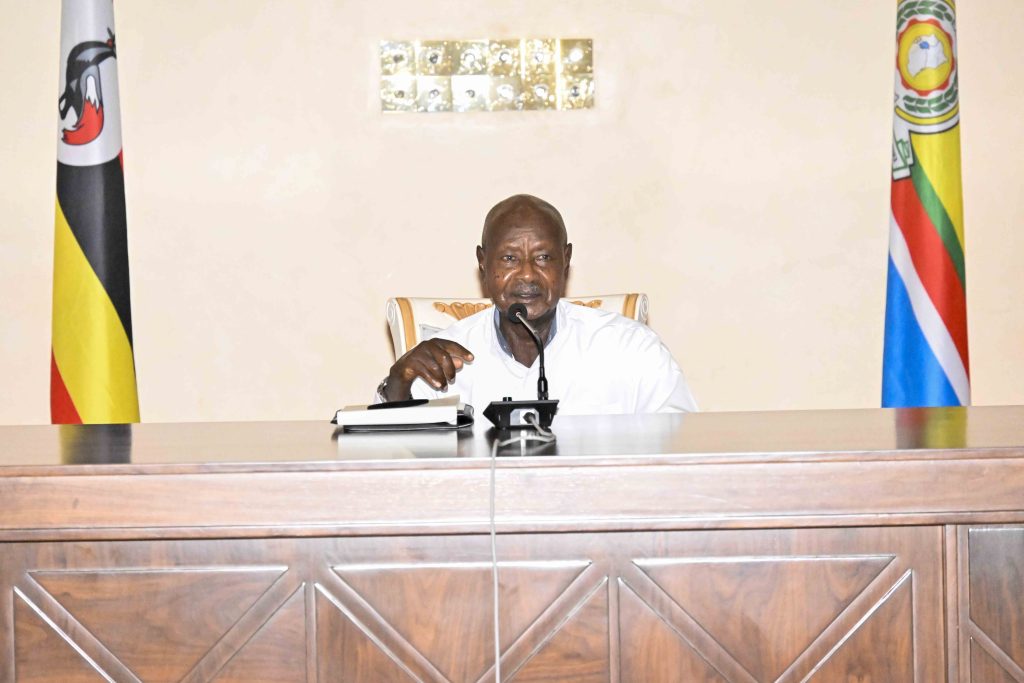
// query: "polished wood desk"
[[871, 545]]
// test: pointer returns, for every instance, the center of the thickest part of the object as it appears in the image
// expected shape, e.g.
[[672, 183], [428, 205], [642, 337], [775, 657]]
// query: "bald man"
[[598, 363]]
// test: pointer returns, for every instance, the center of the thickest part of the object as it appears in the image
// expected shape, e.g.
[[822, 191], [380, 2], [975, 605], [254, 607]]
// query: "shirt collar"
[[503, 343]]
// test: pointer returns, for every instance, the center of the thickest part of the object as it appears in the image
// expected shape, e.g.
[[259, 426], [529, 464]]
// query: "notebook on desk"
[[411, 415]]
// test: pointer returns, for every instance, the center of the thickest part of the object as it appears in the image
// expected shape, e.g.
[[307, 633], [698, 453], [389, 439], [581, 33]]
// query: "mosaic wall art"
[[486, 75]]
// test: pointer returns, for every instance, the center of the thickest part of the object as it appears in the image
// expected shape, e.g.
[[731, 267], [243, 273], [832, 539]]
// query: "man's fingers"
[[435, 361], [431, 371], [444, 362], [455, 350], [447, 364]]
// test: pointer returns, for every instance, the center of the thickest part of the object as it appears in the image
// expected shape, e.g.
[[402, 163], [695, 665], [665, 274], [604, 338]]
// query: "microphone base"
[[509, 414]]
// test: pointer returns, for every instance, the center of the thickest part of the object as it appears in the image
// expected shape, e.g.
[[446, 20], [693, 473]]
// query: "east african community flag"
[[92, 365], [925, 360]]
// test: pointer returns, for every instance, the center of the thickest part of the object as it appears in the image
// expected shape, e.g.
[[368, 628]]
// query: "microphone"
[[508, 414], [517, 314]]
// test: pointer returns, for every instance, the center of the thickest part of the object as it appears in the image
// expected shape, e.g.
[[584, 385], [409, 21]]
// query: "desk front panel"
[[990, 603], [860, 604]]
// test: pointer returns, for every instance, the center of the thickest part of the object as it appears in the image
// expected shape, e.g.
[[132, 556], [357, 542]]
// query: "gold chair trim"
[[464, 309], [460, 309], [629, 306], [407, 322]]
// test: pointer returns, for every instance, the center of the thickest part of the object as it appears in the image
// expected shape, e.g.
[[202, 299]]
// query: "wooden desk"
[[870, 545]]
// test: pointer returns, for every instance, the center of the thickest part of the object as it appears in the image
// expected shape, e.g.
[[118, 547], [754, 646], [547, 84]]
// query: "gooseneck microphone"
[[517, 314], [510, 414]]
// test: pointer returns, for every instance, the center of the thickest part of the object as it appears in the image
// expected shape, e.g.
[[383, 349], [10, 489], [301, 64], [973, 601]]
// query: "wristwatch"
[[381, 396]]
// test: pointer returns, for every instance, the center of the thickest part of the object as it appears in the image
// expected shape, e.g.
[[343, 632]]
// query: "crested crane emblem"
[[83, 90]]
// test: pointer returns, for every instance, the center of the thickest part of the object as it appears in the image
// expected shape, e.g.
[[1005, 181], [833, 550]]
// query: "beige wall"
[[735, 168]]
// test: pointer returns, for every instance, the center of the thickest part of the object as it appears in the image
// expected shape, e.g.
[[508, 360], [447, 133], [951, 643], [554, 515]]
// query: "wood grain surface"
[[732, 605], [991, 603], [843, 546]]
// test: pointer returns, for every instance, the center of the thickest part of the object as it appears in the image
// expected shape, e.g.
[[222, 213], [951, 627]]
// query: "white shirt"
[[597, 363]]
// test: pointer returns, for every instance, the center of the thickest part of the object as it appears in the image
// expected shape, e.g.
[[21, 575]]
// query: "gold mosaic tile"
[[398, 93], [577, 91], [470, 57], [541, 91], [433, 58], [503, 58], [470, 93], [433, 93], [397, 57], [539, 56], [506, 93], [577, 55]]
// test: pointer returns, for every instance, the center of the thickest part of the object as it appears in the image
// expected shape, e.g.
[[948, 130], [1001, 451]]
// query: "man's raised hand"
[[435, 361]]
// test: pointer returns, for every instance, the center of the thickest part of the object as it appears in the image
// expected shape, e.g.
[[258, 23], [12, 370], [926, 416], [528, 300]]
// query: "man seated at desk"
[[597, 362]]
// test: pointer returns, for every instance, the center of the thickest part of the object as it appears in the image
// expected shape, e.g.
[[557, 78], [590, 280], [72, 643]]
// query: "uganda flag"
[[92, 365], [925, 360]]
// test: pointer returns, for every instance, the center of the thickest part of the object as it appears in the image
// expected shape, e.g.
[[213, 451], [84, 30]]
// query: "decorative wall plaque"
[[486, 75]]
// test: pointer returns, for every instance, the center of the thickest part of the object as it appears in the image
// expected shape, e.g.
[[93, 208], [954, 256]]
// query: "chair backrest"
[[414, 319]]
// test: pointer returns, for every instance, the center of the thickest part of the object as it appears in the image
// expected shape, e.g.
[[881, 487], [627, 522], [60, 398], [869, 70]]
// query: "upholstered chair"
[[413, 319]]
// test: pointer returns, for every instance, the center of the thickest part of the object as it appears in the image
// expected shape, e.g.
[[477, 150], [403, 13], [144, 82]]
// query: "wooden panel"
[[709, 495], [984, 669], [277, 652], [242, 500], [578, 649], [648, 643], [990, 605], [42, 654], [574, 606], [951, 608], [881, 649], [996, 584], [345, 652], [158, 622], [413, 600], [765, 611], [754, 631], [410, 598], [531, 497]]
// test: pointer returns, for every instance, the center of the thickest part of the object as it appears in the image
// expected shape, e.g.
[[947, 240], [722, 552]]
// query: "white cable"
[[494, 566], [532, 419], [544, 436]]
